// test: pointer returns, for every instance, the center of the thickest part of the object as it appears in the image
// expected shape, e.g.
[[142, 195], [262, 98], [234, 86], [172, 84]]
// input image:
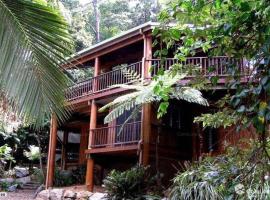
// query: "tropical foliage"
[[228, 176], [5, 157], [238, 29], [34, 42], [114, 16], [33, 153], [227, 25], [67, 177], [146, 92], [134, 183]]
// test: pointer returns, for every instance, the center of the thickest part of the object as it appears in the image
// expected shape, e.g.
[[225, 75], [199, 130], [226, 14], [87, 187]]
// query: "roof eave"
[[111, 41]]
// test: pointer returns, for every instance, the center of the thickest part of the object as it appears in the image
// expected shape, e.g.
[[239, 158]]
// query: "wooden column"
[[146, 134], [90, 175], [90, 161], [146, 109], [146, 56], [89, 180], [51, 152], [93, 122], [83, 144], [64, 150]]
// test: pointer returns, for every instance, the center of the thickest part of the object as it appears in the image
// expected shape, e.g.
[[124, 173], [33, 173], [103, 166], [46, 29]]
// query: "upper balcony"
[[208, 67]]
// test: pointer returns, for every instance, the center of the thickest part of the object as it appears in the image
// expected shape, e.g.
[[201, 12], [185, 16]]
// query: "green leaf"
[[175, 34], [214, 80], [34, 41]]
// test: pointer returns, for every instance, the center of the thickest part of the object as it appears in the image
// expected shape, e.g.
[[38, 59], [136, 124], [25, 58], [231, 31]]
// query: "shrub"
[[4, 186], [62, 178], [235, 175], [131, 184], [78, 175], [38, 175], [193, 184], [33, 153]]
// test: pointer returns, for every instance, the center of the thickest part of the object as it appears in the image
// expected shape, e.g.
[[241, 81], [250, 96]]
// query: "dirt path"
[[19, 195]]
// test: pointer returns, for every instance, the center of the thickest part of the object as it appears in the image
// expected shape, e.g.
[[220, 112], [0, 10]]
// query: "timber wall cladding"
[[229, 136]]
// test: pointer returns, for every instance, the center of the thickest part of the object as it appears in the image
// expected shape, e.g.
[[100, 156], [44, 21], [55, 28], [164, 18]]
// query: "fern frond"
[[120, 100], [145, 94], [131, 75], [130, 87], [119, 110], [133, 115], [189, 94]]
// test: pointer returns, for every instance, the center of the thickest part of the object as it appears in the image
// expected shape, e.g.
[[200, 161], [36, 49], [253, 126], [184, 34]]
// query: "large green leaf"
[[33, 43]]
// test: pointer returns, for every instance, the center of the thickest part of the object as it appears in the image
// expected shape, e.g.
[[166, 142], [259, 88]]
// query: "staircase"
[[32, 185]]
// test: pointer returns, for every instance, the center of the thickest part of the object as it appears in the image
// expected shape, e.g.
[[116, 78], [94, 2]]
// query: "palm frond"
[[33, 42]]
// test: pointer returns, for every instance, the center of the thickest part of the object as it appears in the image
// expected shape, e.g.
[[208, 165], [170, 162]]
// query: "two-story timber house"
[[86, 140]]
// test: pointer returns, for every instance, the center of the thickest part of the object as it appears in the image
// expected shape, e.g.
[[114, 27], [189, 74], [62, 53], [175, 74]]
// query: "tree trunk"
[[40, 158], [97, 20]]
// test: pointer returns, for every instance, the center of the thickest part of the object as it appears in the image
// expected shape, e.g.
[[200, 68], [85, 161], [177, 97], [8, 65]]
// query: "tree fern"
[[144, 93]]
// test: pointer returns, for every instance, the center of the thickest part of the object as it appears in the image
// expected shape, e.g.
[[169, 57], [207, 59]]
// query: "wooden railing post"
[[96, 73]]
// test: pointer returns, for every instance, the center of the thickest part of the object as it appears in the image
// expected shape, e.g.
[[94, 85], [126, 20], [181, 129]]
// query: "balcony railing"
[[118, 135], [103, 82], [207, 66]]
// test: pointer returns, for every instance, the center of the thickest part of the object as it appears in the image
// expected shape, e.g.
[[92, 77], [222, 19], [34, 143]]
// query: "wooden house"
[[100, 146]]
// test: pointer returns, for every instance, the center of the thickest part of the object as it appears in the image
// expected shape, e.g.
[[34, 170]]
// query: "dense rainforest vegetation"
[[101, 19], [235, 28]]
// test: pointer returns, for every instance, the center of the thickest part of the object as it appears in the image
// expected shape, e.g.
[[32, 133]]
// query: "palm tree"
[[144, 92], [34, 40]]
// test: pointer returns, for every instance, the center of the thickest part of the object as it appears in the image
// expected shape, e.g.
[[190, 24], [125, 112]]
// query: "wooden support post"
[[146, 109], [90, 174], [147, 55], [64, 150], [51, 152], [146, 133], [90, 162], [93, 122], [83, 144]]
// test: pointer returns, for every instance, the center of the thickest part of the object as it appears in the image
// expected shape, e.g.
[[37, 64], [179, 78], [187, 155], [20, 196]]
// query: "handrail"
[[104, 81], [117, 135], [115, 126], [218, 63]]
